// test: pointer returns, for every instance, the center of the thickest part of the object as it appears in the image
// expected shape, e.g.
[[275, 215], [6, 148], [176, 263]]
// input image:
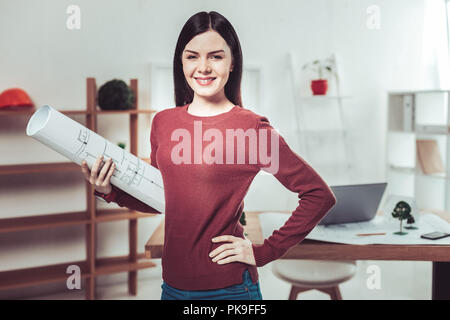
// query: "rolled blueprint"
[[76, 142]]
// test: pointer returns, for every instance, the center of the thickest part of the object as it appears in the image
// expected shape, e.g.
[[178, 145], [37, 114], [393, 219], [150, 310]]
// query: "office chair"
[[305, 275]]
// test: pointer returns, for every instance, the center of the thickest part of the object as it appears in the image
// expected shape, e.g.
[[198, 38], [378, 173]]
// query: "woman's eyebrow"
[[208, 53]]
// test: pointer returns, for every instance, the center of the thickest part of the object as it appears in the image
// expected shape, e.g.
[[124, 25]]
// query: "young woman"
[[206, 255]]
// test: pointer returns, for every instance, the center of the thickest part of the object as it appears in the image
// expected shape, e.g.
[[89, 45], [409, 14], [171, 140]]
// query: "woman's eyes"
[[218, 57]]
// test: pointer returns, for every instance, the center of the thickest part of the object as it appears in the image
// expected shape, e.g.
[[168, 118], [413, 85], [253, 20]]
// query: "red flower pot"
[[319, 87]]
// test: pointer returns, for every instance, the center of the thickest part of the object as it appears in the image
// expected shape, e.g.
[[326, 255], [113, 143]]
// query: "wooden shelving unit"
[[92, 266]]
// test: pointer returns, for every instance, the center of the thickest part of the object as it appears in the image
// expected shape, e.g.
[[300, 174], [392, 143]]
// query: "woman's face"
[[208, 56]]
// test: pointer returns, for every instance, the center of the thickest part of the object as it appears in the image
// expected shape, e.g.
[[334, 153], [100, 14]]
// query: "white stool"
[[321, 275]]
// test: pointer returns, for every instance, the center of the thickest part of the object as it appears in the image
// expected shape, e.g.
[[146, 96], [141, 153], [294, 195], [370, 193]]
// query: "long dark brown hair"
[[199, 23]]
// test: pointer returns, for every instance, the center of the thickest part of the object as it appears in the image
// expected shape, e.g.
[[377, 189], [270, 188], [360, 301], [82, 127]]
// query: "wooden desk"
[[318, 250]]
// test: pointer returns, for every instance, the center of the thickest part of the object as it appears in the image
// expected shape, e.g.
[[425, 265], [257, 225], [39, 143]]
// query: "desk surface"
[[318, 250]]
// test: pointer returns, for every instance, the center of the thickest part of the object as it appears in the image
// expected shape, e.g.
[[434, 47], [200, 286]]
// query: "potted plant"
[[320, 86]]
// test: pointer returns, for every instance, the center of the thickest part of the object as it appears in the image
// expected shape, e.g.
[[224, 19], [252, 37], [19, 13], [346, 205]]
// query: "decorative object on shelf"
[[429, 157], [15, 98], [402, 211], [320, 86], [122, 145], [115, 95]]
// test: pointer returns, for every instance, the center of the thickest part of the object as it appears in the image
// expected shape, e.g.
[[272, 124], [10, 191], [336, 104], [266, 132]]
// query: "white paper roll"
[[77, 143]]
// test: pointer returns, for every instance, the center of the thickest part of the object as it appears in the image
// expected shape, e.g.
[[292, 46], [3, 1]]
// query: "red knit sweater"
[[205, 200]]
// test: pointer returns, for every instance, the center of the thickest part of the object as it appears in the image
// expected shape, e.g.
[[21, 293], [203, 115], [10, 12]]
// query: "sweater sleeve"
[[316, 198], [124, 199]]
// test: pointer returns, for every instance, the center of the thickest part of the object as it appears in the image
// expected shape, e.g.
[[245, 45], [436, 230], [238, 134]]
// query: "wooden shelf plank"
[[106, 215], [15, 112], [39, 167], [43, 221], [54, 273], [133, 111], [74, 112], [67, 219], [121, 264], [29, 112], [39, 275]]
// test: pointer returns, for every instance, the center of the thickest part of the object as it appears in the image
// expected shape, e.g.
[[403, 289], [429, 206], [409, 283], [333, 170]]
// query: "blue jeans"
[[246, 290]]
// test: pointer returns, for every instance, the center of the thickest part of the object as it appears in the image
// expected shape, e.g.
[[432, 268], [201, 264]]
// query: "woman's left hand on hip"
[[237, 249]]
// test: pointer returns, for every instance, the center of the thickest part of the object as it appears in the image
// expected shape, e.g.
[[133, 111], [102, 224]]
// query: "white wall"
[[119, 40]]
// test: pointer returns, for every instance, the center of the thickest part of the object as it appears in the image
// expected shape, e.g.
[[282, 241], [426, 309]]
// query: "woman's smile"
[[204, 81]]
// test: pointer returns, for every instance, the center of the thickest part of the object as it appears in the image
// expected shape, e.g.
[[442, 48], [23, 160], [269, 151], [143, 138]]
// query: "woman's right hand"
[[100, 176]]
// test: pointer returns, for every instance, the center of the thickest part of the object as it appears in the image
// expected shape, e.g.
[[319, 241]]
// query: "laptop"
[[354, 203]]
